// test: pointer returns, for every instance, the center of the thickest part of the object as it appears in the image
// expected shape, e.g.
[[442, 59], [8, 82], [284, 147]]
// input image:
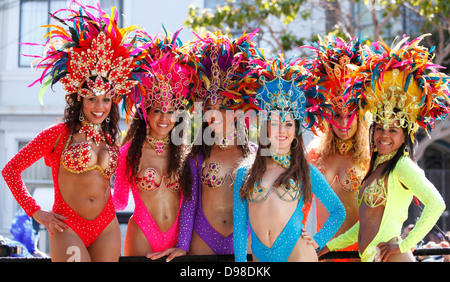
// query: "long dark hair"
[[299, 169], [205, 151], [137, 135], [409, 144], [72, 117]]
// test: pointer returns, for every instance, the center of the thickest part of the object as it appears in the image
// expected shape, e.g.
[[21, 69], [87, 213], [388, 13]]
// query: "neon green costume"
[[409, 174]]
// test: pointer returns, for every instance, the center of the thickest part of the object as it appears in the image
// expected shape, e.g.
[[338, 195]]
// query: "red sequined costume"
[[42, 146]]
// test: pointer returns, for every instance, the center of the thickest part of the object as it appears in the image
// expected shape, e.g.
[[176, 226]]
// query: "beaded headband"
[[89, 56], [401, 84]]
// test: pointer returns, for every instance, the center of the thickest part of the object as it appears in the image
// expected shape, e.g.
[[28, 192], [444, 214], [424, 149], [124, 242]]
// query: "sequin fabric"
[[98, 61], [405, 174], [75, 158], [320, 188], [42, 146], [158, 240], [192, 217]]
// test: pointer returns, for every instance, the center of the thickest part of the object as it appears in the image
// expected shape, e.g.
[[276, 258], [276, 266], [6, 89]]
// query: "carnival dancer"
[[153, 149], [90, 56], [401, 87], [270, 194], [206, 217], [341, 150]]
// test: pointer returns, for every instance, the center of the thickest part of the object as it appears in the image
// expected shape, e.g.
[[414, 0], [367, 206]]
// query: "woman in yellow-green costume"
[[402, 89]]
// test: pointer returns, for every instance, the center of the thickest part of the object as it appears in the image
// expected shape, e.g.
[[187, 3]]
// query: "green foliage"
[[240, 15]]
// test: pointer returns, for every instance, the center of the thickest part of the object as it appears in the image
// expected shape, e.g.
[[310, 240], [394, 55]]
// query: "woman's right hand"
[[50, 220], [170, 253]]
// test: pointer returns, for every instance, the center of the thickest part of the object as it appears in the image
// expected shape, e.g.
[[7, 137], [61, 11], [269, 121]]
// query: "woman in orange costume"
[[341, 152]]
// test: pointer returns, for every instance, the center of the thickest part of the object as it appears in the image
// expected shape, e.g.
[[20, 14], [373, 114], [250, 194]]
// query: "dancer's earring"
[[406, 151]]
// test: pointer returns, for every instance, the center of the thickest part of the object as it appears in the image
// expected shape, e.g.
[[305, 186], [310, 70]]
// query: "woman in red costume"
[[92, 62], [341, 152]]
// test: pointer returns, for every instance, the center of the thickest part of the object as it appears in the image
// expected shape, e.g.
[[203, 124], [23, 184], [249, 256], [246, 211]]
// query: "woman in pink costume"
[[92, 61], [151, 155]]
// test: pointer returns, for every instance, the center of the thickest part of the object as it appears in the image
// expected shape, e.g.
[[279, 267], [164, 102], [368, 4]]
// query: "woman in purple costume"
[[206, 216]]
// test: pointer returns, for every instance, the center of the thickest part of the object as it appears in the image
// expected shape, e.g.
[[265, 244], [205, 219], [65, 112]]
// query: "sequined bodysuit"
[[158, 240], [286, 241], [42, 146], [397, 200], [192, 216]]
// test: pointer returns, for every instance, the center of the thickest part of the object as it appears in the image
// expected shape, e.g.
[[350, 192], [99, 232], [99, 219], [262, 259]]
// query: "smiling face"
[[219, 120], [96, 108], [281, 134], [388, 140], [160, 123], [342, 120]]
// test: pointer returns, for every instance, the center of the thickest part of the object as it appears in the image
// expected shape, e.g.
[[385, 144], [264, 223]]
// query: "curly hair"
[[72, 117], [325, 145], [299, 169], [136, 136]]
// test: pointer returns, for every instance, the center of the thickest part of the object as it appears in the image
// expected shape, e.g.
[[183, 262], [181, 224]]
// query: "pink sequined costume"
[[158, 240], [42, 146]]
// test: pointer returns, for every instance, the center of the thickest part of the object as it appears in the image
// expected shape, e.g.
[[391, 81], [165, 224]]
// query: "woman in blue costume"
[[271, 194]]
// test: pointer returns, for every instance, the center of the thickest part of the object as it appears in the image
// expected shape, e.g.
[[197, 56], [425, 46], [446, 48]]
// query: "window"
[[35, 13]]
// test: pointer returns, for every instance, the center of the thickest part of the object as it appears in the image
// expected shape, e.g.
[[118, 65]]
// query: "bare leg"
[[67, 246], [107, 246]]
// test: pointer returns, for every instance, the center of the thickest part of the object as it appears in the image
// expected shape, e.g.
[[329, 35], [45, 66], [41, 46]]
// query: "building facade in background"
[[22, 117]]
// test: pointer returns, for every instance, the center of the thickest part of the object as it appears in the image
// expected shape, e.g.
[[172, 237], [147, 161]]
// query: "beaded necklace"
[[225, 142], [93, 131], [344, 146], [283, 160], [383, 158]]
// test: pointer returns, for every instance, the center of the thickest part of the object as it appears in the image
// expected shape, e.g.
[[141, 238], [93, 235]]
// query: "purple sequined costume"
[[193, 218]]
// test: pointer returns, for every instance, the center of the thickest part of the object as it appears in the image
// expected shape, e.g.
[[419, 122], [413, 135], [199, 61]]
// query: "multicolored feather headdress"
[[331, 71], [281, 87], [89, 55], [400, 85], [221, 63], [167, 80]]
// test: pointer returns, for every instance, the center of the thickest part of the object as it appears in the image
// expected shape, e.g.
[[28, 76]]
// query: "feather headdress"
[[167, 80], [399, 84], [331, 69], [88, 54], [281, 86], [221, 63]]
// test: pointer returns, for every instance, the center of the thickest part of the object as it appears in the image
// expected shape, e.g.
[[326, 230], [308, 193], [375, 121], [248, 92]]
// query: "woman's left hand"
[[387, 249], [311, 241]]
